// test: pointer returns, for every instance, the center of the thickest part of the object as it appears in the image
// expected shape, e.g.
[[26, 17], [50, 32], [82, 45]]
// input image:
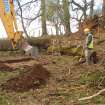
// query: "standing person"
[[88, 45]]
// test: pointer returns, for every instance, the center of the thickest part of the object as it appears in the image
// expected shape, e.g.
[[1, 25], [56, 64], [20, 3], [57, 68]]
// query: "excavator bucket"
[[17, 37]]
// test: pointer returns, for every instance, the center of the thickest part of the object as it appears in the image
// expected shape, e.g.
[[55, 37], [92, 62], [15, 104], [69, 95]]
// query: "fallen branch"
[[101, 41], [90, 97]]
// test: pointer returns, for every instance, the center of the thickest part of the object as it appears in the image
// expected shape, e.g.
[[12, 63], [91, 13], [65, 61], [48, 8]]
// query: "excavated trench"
[[6, 65], [17, 60]]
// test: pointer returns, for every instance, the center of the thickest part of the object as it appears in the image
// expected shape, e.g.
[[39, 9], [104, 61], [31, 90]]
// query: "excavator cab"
[[7, 16]]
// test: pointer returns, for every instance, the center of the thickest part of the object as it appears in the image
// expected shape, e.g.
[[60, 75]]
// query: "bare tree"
[[103, 8], [66, 16], [26, 19], [91, 8], [21, 15], [83, 8], [43, 17], [59, 14]]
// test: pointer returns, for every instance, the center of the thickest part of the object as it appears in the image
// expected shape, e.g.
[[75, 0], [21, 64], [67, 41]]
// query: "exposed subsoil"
[[31, 79], [4, 67]]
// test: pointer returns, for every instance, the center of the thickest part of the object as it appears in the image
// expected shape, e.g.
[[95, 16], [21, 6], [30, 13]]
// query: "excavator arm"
[[7, 16]]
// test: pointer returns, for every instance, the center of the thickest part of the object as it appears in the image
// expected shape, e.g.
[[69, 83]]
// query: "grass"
[[99, 100], [93, 79], [3, 100], [4, 76]]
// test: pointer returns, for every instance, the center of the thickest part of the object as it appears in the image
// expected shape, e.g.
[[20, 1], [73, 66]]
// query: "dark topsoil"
[[16, 60], [34, 77]]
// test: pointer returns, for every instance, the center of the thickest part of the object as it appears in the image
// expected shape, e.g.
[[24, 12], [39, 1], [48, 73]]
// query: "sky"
[[35, 29]]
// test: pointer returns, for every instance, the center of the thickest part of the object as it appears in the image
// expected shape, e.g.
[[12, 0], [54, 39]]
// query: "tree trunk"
[[91, 8], [57, 30], [66, 16], [43, 18], [103, 8]]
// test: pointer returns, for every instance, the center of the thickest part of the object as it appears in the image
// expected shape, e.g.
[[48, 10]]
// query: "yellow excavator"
[[7, 16]]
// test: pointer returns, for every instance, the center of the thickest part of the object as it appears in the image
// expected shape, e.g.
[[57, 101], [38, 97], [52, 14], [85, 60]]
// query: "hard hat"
[[86, 30]]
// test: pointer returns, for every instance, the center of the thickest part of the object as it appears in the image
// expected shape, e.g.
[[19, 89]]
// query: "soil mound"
[[31, 79]]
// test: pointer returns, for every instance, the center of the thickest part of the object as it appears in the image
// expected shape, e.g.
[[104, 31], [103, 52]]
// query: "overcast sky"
[[37, 26]]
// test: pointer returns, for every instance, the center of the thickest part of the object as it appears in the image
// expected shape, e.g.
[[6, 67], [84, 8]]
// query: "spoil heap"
[[31, 79]]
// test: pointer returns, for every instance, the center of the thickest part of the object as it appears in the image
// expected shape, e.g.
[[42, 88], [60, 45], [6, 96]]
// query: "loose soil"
[[4, 67], [31, 79]]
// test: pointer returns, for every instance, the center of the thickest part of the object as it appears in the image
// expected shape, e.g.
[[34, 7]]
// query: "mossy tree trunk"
[[66, 16]]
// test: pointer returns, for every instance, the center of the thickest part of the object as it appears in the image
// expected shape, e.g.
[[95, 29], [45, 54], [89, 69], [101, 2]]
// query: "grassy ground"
[[67, 84]]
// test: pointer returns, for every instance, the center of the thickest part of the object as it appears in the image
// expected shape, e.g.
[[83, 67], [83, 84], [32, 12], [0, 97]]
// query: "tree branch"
[[25, 31], [31, 19], [33, 1], [94, 95]]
